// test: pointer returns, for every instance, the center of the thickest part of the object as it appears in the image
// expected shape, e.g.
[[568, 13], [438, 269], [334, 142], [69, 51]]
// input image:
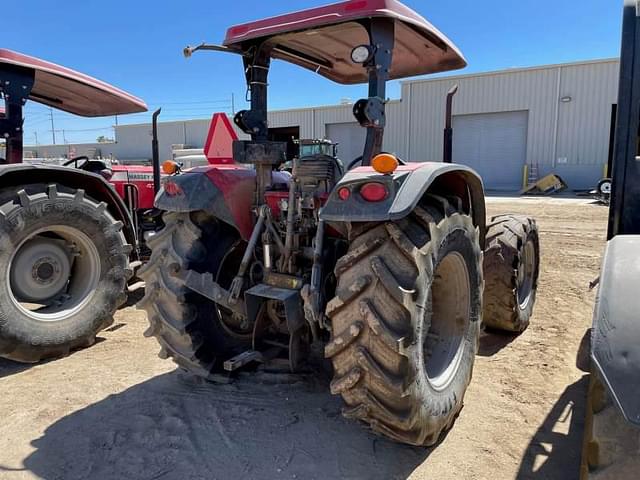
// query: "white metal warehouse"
[[539, 120]]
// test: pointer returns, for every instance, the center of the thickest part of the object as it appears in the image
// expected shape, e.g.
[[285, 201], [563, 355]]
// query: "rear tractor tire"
[[511, 269], [64, 263], [191, 329], [406, 322]]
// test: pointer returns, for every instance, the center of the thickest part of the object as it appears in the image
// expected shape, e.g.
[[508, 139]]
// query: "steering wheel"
[[75, 161], [359, 160]]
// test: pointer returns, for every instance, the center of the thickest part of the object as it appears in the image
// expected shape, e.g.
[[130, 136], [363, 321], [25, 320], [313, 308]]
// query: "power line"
[[201, 102], [97, 129], [195, 116], [173, 109], [37, 122], [37, 115]]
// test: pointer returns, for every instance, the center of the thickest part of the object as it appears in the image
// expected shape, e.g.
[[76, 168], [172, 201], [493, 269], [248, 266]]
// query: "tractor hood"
[[71, 91], [321, 39]]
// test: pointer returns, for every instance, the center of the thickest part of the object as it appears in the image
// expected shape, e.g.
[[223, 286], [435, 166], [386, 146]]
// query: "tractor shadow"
[[491, 342], [133, 298], [8, 367], [259, 427], [556, 448]]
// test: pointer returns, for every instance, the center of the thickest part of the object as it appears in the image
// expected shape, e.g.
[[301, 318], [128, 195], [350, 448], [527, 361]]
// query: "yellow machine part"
[[552, 183]]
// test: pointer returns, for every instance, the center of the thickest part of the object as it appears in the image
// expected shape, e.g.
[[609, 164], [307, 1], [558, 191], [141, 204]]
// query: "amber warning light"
[[170, 167], [385, 163]]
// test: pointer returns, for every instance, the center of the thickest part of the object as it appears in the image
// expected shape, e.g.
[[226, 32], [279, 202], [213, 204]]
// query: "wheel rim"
[[443, 343], [605, 188], [53, 273], [526, 274]]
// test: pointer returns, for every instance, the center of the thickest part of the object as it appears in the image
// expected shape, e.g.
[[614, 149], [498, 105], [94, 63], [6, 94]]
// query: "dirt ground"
[[117, 411]]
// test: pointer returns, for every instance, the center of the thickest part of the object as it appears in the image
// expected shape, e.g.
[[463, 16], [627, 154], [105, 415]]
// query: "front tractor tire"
[[406, 322], [64, 262], [192, 330], [511, 269]]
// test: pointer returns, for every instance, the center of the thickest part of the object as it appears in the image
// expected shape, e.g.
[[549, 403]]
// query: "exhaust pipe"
[[448, 129], [155, 153]]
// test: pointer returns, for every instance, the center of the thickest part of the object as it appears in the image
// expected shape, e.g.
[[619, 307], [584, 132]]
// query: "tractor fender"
[[94, 186], [407, 186], [615, 336], [227, 192]]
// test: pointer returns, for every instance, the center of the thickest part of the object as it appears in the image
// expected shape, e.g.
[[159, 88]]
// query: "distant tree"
[[103, 139]]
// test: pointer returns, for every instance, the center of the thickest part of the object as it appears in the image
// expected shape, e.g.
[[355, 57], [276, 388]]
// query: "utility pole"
[[53, 128], [36, 135], [64, 138]]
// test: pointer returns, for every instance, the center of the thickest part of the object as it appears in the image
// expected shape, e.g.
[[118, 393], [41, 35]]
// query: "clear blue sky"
[[137, 45]]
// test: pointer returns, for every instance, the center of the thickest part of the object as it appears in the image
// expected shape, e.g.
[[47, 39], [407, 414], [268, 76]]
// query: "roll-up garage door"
[[494, 145]]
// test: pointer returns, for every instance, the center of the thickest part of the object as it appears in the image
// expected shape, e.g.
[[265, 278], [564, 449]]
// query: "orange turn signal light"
[[385, 163], [170, 167]]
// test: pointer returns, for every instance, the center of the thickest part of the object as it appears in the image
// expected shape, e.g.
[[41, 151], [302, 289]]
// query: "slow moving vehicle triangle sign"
[[219, 145]]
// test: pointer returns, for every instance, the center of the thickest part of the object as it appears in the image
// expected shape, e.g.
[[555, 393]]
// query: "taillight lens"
[[374, 192], [344, 193], [172, 189]]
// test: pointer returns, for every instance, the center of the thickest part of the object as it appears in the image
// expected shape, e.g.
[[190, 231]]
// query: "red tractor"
[[138, 185], [381, 267], [67, 241]]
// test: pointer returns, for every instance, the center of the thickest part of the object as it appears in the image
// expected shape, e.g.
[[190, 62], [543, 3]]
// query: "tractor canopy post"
[[257, 73], [370, 112], [16, 84], [259, 151]]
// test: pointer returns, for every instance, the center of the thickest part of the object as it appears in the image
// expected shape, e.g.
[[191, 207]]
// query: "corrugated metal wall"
[[570, 138], [72, 150], [584, 123], [134, 141]]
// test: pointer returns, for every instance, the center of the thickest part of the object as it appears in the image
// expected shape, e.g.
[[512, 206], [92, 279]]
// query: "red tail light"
[[374, 192], [344, 193], [172, 189]]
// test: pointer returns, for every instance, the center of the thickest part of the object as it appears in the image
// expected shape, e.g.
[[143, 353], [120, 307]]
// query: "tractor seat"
[[95, 166]]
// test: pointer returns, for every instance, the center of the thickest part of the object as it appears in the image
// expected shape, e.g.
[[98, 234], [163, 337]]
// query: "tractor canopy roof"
[[321, 39], [71, 91]]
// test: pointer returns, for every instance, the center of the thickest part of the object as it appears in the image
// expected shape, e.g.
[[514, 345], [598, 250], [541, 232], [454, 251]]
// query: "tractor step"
[[291, 300], [250, 356]]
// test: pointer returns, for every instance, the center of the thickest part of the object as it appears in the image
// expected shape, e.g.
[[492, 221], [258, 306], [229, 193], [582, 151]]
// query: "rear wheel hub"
[[54, 273], [40, 270]]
